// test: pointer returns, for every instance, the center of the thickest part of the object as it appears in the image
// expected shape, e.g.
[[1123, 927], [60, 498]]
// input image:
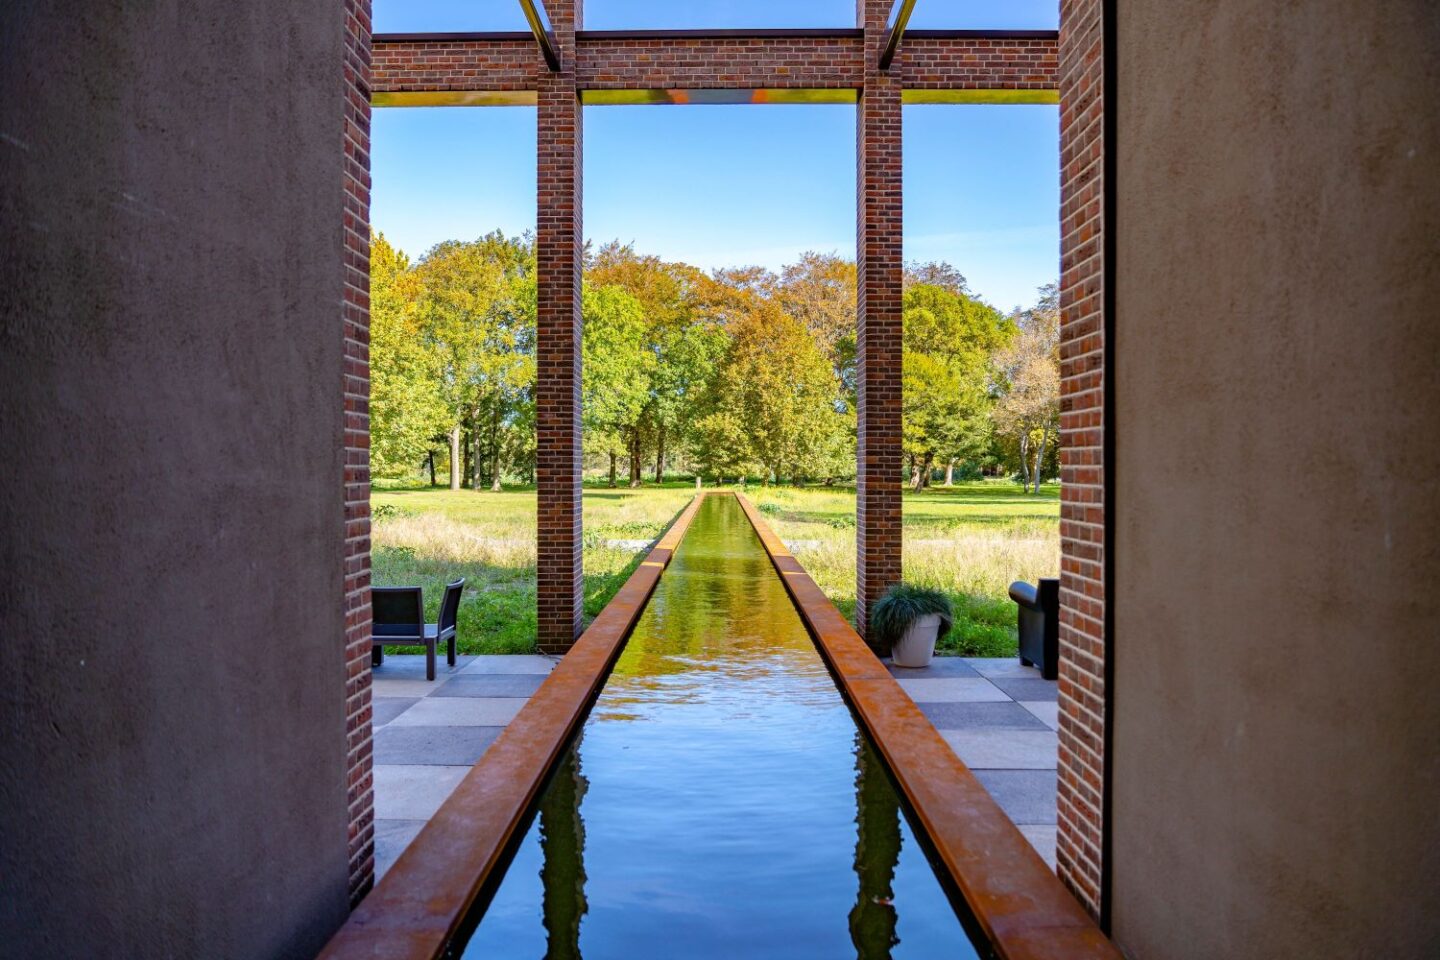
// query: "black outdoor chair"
[[1039, 615], [399, 620], [443, 631]]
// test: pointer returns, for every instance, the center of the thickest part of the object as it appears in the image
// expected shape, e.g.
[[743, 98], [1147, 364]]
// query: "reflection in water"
[[728, 806], [562, 844], [877, 851]]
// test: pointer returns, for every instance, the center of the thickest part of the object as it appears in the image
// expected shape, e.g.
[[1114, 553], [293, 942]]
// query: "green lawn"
[[970, 540]]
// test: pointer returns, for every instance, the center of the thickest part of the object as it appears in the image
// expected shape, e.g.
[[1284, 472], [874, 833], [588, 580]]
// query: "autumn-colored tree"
[[775, 395], [734, 372], [1028, 381]]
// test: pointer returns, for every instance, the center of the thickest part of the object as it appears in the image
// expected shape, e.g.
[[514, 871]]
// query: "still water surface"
[[719, 802]]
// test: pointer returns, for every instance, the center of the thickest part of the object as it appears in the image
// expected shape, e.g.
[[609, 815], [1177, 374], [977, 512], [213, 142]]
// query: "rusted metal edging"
[[1023, 909], [419, 906]]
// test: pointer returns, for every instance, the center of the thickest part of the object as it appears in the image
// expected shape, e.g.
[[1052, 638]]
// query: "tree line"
[[733, 373]]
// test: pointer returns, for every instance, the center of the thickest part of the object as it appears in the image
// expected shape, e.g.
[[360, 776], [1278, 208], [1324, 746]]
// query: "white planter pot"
[[917, 646]]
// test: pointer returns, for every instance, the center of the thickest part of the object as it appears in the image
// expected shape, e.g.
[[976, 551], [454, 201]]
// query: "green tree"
[[616, 370], [407, 412], [949, 338], [476, 307]]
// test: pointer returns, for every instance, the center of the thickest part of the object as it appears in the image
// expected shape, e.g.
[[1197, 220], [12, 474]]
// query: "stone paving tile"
[[1047, 711], [939, 667], [391, 839], [404, 687], [1004, 749], [411, 666], [1026, 796], [491, 685], [1042, 838], [1002, 667], [446, 746], [462, 712], [960, 716], [413, 791], [385, 709], [951, 690], [509, 663], [1023, 688]]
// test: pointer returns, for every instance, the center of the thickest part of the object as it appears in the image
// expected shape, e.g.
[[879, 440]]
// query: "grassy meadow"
[[970, 541]]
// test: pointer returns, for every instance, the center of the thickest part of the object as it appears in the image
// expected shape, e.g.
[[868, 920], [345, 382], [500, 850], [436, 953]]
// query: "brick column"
[[356, 326], [559, 239], [1079, 844], [880, 256]]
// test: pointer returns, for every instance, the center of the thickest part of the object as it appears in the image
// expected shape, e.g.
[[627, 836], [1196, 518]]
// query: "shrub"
[[902, 605]]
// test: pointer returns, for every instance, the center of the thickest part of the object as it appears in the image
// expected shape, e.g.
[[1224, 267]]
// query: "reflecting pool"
[[719, 801]]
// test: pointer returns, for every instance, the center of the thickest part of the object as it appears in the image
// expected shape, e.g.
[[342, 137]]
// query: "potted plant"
[[910, 620]]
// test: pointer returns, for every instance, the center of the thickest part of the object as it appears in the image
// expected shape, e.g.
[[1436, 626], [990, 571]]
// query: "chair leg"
[[430, 660], [377, 656], [450, 649]]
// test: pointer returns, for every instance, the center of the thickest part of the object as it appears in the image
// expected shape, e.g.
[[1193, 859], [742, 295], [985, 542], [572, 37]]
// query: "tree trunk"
[[914, 472], [613, 458], [467, 466], [927, 467], [660, 457], [950, 473], [430, 459], [495, 478], [481, 461], [1025, 457], [1040, 456], [634, 458], [455, 457]]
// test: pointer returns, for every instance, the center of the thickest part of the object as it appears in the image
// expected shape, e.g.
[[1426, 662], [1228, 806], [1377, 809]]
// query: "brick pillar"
[[880, 255], [558, 242], [1079, 844], [356, 326]]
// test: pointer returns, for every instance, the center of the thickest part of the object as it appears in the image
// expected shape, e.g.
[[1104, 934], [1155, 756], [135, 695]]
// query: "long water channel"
[[719, 801]]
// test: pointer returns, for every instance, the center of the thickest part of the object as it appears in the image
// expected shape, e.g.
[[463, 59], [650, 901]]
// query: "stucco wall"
[[172, 689], [1277, 372]]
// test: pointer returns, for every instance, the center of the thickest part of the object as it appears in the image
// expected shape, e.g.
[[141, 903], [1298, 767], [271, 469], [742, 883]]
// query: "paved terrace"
[[998, 716]]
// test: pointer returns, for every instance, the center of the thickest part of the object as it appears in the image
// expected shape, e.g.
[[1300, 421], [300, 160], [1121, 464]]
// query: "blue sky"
[[449, 15], [737, 185]]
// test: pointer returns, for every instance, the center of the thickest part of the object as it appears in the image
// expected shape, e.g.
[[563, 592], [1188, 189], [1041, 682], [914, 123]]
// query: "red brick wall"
[[1082, 422], [356, 322], [880, 264], [743, 63], [559, 242], [935, 63], [736, 63], [450, 65]]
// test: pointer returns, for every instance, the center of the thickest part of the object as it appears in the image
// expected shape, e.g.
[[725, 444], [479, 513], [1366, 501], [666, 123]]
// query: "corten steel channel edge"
[[421, 903], [1021, 906]]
